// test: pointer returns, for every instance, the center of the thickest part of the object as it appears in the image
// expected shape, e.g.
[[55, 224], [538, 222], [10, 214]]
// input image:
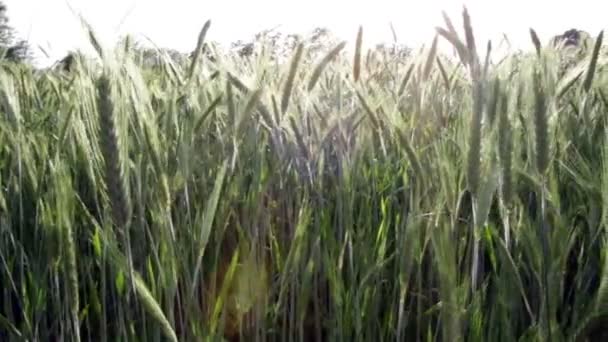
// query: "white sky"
[[53, 25]]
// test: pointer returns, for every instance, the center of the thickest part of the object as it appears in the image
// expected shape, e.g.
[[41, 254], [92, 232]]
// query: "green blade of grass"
[[207, 223]]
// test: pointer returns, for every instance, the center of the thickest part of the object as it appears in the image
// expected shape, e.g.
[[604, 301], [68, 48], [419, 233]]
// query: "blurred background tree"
[[11, 47]]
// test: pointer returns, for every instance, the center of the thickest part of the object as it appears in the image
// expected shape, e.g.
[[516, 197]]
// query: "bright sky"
[[54, 26]]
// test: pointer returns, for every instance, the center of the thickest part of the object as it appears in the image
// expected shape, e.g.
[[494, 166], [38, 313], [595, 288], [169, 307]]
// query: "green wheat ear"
[[110, 148], [293, 69], [323, 64], [406, 79], [470, 40], [357, 61], [492, 105], [536, 42], [541, 125], [474, 153], [593, 62], [428, 66], [199, 49]]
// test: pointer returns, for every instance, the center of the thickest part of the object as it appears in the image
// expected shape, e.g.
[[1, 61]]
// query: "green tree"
[[11, 48]]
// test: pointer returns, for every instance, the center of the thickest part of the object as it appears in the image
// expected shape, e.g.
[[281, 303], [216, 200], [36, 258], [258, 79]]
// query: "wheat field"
[[347, 197]]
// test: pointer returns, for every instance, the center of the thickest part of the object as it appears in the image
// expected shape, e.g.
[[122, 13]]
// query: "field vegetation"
[[341, 196]]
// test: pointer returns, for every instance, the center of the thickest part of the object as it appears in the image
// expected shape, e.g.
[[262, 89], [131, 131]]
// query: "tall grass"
[[345, 197]]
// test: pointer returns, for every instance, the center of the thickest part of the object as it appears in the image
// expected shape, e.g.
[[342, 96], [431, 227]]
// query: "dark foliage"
[[12, 48]]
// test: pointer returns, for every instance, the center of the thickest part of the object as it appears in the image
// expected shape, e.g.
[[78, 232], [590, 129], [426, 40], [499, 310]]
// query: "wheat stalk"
[[505, 156], [542, 164]]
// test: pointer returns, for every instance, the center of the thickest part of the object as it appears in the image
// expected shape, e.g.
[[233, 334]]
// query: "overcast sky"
[[54, 25]]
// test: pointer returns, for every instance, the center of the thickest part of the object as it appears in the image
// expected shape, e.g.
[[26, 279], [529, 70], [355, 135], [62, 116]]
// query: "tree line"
[[280, 45]]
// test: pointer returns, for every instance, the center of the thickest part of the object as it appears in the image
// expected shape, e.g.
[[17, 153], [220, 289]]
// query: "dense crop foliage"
[[345, 198]]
